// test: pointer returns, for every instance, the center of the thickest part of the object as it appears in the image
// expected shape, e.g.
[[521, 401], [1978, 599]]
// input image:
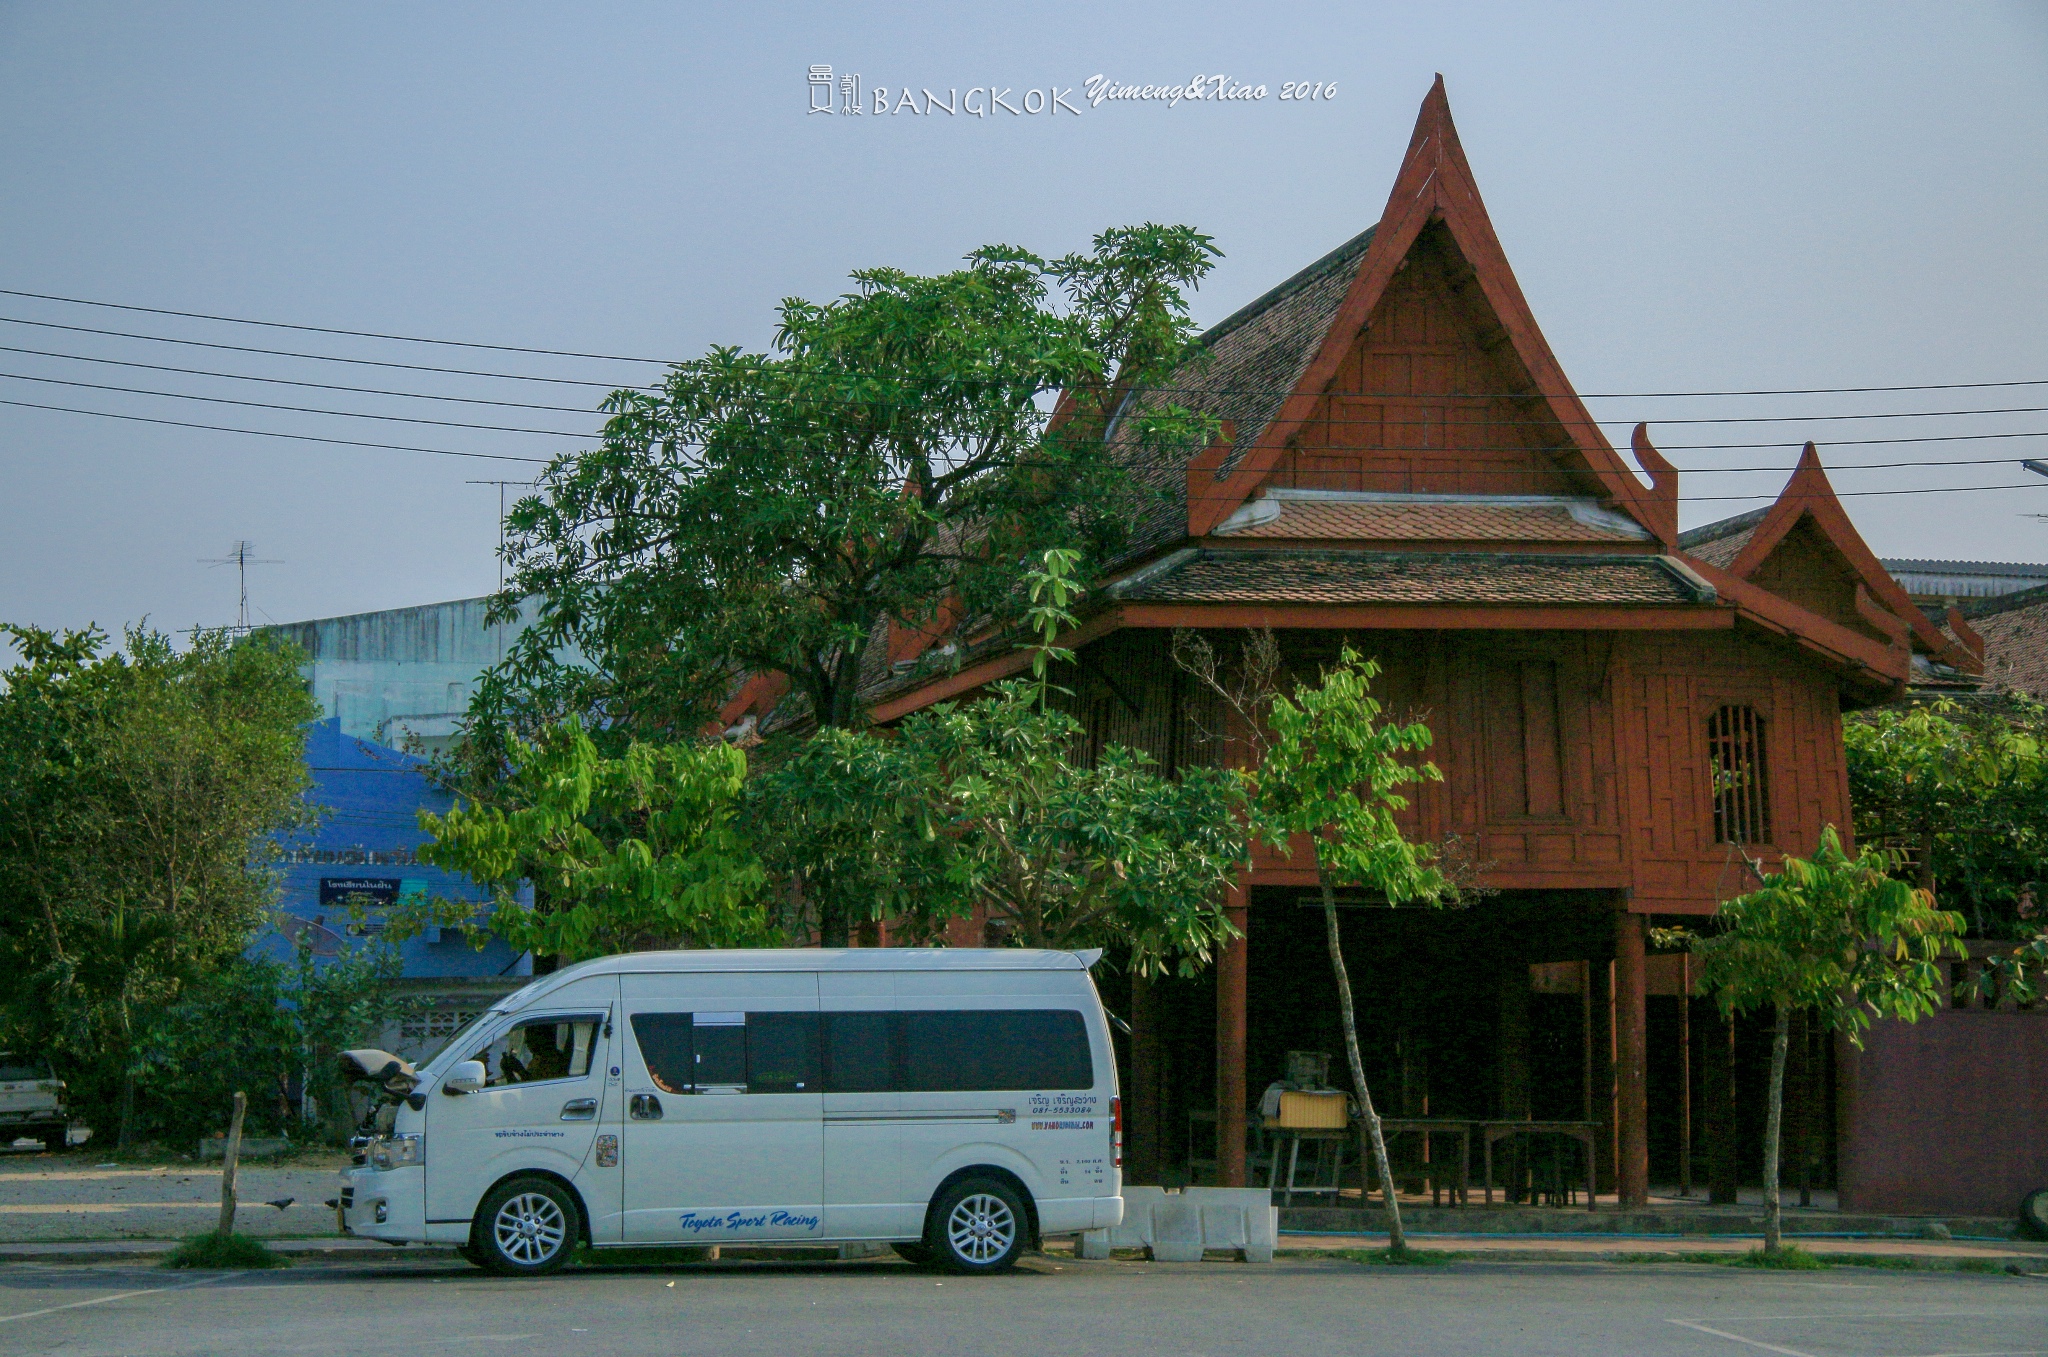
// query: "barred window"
[[1737, 758]]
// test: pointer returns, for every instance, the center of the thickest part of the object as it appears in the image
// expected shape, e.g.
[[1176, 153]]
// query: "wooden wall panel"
[[1615, 792], [1418, 405]]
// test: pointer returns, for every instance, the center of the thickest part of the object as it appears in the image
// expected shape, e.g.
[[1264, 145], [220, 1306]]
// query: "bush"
[[267, 1028], [237, 1251], [1789, 1256]]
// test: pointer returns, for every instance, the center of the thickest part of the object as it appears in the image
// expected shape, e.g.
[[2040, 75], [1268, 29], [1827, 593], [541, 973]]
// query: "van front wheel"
[[977, 1225], [524, 1227]]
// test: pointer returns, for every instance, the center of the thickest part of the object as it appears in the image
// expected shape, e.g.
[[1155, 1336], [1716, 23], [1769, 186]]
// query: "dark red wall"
[[1946, 1115]]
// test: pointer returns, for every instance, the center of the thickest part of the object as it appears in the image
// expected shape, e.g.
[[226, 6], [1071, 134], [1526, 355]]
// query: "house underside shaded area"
[[1502, 1010]]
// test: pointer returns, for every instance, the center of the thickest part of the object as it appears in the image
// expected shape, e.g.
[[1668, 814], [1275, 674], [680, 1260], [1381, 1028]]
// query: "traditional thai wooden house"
[[1621, 711]]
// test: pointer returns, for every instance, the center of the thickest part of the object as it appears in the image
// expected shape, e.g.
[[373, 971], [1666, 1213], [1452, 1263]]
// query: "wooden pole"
[[1231, 966], [1631, 1094], [1685, 1074], [227, 1167], [1143, 1151]]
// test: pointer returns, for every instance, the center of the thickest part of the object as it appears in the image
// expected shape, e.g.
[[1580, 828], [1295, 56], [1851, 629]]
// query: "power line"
[[565, 409], [266, 433], [628, 358], [289, 381], [294, 409], [315, 357], [327, 330]]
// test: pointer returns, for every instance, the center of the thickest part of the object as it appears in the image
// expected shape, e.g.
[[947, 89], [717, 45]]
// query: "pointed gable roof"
[[1743, 545], [1435, 185]]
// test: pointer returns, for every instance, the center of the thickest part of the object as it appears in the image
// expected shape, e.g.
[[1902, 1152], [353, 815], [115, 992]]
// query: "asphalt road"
[[1051, 1306]]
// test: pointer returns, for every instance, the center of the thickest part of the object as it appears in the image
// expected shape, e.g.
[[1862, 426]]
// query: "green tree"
[[848, 835], [1064, 855], [635, 851], [1332, 771], [1833, 934], [894, 456], [1963, 794], [139, 793]]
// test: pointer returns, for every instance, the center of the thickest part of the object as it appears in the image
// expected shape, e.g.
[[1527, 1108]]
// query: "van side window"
[[957, 1051], [860, 1052], [782, 1053], [666, 1049], [988, 1050], [540, 1049], [774, 1052]]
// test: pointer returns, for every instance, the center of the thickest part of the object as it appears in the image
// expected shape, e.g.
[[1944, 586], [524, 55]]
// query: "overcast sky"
[[1695, 198]]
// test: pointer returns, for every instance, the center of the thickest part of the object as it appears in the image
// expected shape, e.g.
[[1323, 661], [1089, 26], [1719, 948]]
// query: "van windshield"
[[14, 1068]]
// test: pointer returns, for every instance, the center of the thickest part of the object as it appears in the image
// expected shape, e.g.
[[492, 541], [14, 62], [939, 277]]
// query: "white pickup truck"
[[31, 1101]]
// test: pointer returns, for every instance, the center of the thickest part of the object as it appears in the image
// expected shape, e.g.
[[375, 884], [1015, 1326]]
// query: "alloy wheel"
[[981, 1228], [530, 1228]]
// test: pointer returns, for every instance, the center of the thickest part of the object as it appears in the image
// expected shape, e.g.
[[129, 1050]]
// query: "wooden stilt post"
[[1721, 1120], [1632, 1107], [1231, 964], [1142, 1156], [1685, 1074]]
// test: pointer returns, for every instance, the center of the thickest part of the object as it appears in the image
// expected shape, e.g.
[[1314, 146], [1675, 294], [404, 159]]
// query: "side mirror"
[[467, 1077]]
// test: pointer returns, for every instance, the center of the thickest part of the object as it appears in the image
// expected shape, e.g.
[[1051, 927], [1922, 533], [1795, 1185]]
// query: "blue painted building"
[[389, 683]]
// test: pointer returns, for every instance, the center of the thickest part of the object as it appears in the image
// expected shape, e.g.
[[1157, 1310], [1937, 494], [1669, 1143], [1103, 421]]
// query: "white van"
[[959, 1103]]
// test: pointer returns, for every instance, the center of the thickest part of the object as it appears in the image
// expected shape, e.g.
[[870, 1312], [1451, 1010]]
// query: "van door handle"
[[644, 1107], [580, 1109]]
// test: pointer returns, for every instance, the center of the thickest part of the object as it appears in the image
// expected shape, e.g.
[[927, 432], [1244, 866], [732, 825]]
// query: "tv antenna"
[[501, 523], [241, 556]]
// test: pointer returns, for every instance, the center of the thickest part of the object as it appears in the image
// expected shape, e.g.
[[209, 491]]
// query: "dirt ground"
[[49, 1197]]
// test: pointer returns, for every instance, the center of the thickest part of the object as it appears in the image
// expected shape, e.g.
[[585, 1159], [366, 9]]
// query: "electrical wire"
[[266, 433], [290, 381], [318, 357], [294, 409], [628, 358], [326, 330]]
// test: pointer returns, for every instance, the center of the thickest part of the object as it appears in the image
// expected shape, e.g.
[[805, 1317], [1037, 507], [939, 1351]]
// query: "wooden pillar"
[[1601, 1062], [1718, 1083], [1142, 1148], [1632, 1106], [1512, 1099], [1231, 964], [1685, 1074]]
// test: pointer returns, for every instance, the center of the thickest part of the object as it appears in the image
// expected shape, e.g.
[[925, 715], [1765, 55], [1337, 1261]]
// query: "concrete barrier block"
[[1177, 1231], [1095, 1243], [1136, 1230]]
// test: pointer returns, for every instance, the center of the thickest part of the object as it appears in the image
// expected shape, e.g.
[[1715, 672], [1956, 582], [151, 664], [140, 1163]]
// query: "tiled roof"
[[2015, 631], [1242, 372], [1366, 577], [1718, 544], [2016, 569], [1278, 516]]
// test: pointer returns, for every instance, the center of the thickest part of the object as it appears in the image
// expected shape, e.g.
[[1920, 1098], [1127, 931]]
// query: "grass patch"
[[1402, 1257], [237, 1251], [1789, 1257]]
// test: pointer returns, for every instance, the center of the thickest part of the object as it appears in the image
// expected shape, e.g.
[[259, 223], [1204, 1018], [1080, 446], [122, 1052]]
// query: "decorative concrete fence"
[[1178, 1227]]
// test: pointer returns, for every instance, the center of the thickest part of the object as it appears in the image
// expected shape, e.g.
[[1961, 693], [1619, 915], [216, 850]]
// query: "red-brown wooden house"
[[1409, 470]]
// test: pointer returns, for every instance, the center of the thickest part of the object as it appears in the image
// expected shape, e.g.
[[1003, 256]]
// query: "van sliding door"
[[722, 1138]]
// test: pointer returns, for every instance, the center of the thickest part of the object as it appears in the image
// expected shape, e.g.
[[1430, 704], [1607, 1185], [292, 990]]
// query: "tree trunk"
[[1774, 1118], [231, 1153], [832, 929], [1397, 1242]]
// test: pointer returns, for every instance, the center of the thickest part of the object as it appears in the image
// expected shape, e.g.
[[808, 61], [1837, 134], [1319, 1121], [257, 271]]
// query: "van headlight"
[[397, 1152]]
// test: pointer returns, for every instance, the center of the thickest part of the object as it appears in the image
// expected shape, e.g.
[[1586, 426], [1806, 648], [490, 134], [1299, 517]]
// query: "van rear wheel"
[[977, 1225], [524, 1227]]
